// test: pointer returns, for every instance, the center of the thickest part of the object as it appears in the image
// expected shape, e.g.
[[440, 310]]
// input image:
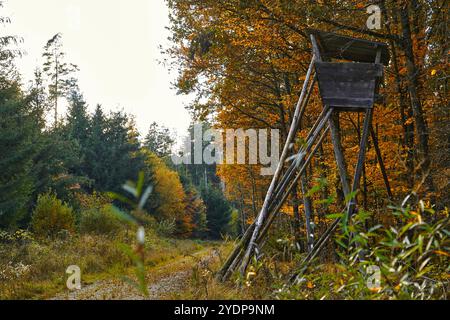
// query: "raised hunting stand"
[[344, 86]]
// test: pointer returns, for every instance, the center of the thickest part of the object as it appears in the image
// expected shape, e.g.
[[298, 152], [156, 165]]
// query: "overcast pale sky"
[[115, 44]]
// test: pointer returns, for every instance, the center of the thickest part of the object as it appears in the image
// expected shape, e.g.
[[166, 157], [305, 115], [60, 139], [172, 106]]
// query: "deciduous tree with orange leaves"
[[246, 61]]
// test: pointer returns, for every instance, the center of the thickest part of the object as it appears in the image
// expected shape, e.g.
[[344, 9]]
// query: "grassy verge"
[[35, 269]]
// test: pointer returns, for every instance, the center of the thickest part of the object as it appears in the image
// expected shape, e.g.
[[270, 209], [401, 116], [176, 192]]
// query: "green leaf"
[[351, 196], [342, 244], [424, 263], [327, 201], [335, 215], [122, 215], [140, 183], [119, 197], [129, 187], [375, 228], [144, 197]]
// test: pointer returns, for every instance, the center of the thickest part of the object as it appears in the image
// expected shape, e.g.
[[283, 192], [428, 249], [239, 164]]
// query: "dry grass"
[[35, 269], [202, 284]]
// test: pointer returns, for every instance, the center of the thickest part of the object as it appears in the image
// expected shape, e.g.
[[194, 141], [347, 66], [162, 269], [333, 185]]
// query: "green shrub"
[[51, 216], [100, 221], [166, 228], [144, 218], [19, 236], [411, 258], [95, 200]]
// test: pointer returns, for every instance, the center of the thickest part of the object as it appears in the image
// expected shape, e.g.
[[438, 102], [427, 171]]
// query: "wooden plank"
[[350, 85], [331, 89], [360, 71], [348, 102]]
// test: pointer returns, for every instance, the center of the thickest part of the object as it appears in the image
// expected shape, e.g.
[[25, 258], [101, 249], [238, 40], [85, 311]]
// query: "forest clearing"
[[225, 150]]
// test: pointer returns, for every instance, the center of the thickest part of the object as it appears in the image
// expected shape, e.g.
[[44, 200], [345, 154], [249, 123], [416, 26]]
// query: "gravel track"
[[161, 281]]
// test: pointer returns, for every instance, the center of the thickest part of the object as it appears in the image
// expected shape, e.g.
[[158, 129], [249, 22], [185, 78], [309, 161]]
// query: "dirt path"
[[163, 280]]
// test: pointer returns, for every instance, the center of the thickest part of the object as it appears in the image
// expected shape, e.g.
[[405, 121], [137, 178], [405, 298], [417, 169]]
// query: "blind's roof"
[[333, 45]]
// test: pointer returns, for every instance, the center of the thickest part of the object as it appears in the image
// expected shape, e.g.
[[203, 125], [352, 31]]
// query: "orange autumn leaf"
[[443, 253]]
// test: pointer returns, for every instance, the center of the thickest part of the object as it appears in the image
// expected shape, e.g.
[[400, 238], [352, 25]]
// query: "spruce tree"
[[96, 152], [59, 71], [16, 156], [159, 140], [77, 129], [218, 212]]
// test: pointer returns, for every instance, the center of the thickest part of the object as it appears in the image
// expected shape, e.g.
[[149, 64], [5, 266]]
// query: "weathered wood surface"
[[350, 85]]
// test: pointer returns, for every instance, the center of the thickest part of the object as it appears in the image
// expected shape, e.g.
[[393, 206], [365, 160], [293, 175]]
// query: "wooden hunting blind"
[[349, 73], [350, 85]]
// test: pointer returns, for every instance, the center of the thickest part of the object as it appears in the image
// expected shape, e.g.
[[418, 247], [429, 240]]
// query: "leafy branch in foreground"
[[140, 197], [410, 256]]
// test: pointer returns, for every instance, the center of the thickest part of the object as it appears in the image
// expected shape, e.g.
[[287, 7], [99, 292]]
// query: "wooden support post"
[[308, 95], [233, 265], [339, 153], [316, 249], [234, 255], [381, 162], [308, 213], [307, 204], [360, 163], [292, 132], [263, 214], [295, 164], [253, 230], [282, 197]]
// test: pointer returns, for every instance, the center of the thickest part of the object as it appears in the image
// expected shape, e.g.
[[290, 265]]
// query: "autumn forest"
[[86, 182]]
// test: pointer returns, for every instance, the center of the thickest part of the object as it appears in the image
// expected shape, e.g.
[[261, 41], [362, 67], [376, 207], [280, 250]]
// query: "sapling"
[[138, 254]]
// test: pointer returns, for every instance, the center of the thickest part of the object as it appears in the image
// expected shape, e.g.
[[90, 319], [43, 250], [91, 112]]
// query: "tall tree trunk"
[[56, 92], [419, 118], [405, 110]]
